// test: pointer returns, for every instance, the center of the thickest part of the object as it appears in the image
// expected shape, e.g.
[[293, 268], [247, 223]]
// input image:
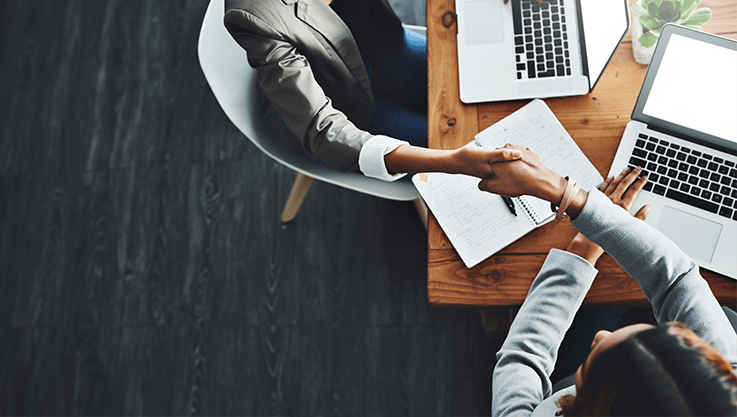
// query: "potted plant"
[[651, 15]]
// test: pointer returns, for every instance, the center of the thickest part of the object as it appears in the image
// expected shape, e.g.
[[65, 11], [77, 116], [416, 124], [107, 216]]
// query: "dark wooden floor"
[[143, 268]]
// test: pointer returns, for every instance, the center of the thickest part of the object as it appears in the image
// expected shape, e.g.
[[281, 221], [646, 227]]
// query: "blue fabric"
[[398, 75]]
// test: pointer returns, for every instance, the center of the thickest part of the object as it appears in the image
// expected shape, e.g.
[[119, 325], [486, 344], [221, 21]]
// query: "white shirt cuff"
[[371, 157]]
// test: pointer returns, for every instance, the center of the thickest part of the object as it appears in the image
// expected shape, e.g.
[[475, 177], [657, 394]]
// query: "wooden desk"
[[595, 121]]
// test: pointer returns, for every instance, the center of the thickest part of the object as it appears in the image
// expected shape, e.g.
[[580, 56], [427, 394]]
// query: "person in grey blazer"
[[317, 66]]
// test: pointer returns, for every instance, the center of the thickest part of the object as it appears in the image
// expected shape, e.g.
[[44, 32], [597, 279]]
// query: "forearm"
[[584, 248], [528, 355], [667, 276], [411, 159], [469, 160], [646, 254]]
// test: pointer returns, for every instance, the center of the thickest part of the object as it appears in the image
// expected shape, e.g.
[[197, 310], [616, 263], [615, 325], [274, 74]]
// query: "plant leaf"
[[650, 23], [699, 16], [646, 3], [647, 39], [667, 11], [652, 7], [687, 9], [638, 10], [656, 32], [678, 6]]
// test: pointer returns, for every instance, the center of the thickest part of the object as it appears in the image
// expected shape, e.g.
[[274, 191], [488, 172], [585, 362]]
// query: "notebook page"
[[537, 128], [477, 223]]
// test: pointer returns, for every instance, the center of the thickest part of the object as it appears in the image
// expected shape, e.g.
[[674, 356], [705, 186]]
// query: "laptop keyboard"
[[692, 177], [540, 39]]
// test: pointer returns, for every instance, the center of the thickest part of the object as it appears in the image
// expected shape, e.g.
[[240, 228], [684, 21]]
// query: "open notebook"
[[480, 224]]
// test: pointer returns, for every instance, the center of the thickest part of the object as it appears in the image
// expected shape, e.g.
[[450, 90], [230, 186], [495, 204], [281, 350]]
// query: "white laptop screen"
[[696, 87], [604, 22], [690, 89]]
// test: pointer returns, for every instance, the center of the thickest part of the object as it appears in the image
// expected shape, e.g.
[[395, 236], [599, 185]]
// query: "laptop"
[[521, 49], [683, 133]]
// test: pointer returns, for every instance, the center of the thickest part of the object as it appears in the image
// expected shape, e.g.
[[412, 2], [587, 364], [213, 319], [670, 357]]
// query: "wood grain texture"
[[596, 122], [333, 369], [43, 249], [450, 122], [397, 362], [10, 218], [143, 267], [462, 362]]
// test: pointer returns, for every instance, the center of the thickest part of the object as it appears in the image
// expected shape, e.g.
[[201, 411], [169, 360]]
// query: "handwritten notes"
[[536, 127], [479, 224]]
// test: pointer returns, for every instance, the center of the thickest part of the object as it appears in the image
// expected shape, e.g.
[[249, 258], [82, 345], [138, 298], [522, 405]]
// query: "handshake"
[[527, 175], [524, 176]]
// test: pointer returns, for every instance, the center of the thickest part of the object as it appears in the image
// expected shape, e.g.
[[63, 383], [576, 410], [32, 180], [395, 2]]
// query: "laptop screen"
[[604, 23], [691, 88]]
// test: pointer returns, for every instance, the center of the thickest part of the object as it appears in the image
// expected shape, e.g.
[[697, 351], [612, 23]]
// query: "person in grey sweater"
[[685, 366]]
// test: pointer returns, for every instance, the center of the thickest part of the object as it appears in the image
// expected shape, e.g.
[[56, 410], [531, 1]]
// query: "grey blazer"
[[311, 71]]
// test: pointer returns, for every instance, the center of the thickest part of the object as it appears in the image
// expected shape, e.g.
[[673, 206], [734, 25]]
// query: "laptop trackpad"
[[484, 22], [696, 236]]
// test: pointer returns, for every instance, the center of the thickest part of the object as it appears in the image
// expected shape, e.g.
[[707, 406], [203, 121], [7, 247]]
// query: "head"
[[646, 370]]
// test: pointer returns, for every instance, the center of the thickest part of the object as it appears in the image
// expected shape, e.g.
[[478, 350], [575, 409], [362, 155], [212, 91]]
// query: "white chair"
[[234, 84]]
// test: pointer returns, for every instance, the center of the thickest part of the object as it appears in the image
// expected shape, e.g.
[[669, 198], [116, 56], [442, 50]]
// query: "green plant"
[[653, 14]]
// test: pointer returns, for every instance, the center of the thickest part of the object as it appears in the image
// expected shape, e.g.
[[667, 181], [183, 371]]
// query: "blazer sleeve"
[[288, 82]]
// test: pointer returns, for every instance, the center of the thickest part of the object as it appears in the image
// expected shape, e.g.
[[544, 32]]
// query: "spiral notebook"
[[479, 224]]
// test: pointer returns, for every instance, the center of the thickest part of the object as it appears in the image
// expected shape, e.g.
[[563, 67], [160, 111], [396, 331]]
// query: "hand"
[[622, 190], [476, 161], [525, 176]]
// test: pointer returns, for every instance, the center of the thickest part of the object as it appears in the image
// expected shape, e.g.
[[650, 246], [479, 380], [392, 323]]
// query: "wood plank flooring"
[[143, 268]]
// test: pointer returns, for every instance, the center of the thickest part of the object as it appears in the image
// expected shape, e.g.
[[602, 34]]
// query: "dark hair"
[[664, 371]]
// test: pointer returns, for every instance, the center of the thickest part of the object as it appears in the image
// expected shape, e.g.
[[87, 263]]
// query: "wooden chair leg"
[[299, 190], [421, 210]]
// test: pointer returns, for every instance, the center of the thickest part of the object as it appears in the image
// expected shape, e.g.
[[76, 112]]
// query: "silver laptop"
[[684, 133], [522, 49]]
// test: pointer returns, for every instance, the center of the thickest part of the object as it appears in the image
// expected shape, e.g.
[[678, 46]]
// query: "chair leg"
[[422, 210], [299, 190]]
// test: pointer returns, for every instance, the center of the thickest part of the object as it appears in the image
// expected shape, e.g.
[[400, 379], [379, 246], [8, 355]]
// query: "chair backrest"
[[234, 84]]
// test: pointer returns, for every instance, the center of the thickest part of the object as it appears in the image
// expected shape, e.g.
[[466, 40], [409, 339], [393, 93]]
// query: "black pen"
[[510, 204]]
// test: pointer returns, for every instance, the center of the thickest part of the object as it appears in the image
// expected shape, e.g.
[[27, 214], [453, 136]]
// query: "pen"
[[510, 204]]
